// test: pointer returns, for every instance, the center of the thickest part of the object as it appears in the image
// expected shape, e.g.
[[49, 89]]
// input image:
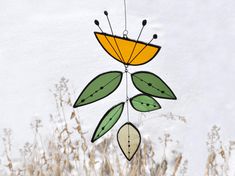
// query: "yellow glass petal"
[[126, 50]]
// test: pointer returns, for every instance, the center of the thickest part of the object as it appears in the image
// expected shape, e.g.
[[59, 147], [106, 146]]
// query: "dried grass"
[[66, 152], [219, 154]]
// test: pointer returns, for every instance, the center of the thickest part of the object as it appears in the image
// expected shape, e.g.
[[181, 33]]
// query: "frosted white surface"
[[41, 41]]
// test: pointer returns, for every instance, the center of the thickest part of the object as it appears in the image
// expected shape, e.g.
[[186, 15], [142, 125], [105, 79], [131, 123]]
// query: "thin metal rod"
[[98, 24], [127, 108], [100, 29], [125, 32], [127, 96], [107, 15], [125, 15]]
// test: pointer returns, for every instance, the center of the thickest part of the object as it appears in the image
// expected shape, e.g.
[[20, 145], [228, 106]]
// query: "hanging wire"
[[127, 107], [127, 96], [125, 32]]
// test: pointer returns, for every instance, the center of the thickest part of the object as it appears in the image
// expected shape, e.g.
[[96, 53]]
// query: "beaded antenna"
[[129, 53]]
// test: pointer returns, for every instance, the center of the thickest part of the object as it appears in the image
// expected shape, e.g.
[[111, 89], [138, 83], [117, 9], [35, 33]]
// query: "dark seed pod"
[[144, 22], [155, 36], [97, 22], [106, 13]]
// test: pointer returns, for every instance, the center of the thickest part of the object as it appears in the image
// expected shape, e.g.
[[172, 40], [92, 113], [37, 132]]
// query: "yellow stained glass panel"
[[127, 51]]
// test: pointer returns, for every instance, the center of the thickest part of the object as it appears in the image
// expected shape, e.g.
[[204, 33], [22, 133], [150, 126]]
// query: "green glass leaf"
[[108, 121], [144, 103], [129, 139], [151, 84], [100, 87]]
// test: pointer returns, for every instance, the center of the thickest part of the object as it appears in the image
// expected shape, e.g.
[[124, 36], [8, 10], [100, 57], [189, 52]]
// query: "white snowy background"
[[41, 41]]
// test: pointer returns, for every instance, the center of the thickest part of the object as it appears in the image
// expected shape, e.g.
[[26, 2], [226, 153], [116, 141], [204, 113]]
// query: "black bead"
[[144, 22], [155, 36], [106, 13], [97, 22]]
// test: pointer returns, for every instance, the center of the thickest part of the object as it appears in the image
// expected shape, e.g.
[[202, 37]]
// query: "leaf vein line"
[[96, 91], [152, 86], [109, 121]]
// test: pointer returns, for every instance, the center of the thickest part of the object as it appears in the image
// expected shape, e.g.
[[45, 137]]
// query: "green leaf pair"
[[151, 85], [106, 83]]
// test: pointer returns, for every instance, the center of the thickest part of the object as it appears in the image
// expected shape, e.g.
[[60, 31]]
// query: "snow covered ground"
[[41, 41]]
